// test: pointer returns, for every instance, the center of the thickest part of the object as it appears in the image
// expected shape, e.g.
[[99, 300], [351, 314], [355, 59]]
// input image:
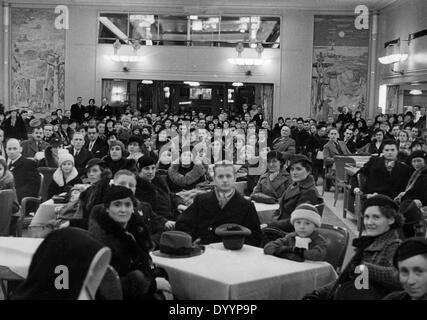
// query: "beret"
[[145, 161], [380, 200], [417, 154], [117, 193], [410, 248], [299, 158]]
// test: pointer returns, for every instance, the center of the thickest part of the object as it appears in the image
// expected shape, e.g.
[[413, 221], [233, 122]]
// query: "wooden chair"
[[337, 241], [6, 199], [47, 174], [340, 163], [25, 218], [111, 287]]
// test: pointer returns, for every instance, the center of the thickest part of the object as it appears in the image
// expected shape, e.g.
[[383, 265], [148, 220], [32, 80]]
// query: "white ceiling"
[[299, 4]]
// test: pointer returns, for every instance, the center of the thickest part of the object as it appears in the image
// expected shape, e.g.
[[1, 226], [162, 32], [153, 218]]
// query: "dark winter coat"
[[159, 196], [205, 214], [297, 193], [130, 250], [123, 163]]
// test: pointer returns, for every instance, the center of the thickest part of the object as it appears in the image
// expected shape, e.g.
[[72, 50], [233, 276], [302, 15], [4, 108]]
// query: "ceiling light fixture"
[[394, 52], [415, 92], [147, 81], [192, 83], [240, 61], [237, 84]]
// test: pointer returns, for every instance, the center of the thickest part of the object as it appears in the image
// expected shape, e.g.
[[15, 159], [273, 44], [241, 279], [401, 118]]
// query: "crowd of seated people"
[[179, 171]]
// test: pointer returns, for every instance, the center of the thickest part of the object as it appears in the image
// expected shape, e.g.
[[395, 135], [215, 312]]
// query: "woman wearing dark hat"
[[302, 190], [374, 251], [85, 259], [99, 176], [134, 146], [411, 262], [154, 189], [274, 182], [14, 126], [51, 154], [116, 226], [116, 160]]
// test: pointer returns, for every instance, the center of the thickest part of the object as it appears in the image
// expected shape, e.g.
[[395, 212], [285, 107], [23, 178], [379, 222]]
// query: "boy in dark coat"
[[305, 242]]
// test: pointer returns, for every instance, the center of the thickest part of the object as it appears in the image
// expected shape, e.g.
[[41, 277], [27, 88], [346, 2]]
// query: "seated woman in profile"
[[117, 226], [85, 258], [373, 251], [302, 190], [274, 182], [65, 176]]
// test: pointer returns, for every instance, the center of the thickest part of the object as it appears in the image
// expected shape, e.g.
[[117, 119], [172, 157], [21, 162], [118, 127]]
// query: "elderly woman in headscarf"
[[72, 252], [374, 251]]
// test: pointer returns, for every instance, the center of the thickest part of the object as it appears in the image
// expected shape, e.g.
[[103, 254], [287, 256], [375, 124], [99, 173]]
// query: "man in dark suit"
[[105, 110], [78, 111], [25, 174], [386, 175], [348, 140], [300, 135], [80, 153], [34, 144], [95, 144], [223, 205]]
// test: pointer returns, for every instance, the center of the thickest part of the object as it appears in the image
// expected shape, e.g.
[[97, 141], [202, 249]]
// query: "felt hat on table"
[[177, 244], [233, 235]]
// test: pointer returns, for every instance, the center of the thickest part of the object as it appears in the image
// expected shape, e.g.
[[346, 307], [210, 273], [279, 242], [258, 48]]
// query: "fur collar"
[[129, 235], [7, 182], [58, 177]]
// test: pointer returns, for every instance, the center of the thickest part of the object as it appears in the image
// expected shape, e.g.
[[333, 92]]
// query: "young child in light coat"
[[305, 242]]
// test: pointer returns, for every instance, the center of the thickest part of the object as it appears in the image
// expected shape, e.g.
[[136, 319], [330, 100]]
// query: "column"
[[371, 85], [6, 39]]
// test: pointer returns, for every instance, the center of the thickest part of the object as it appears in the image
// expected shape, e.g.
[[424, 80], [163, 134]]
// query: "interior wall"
[[289, 70], [398, 20]]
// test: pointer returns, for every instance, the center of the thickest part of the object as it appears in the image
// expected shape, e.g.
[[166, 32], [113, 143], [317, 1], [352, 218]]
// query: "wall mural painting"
[[37, 61], [340, 66]]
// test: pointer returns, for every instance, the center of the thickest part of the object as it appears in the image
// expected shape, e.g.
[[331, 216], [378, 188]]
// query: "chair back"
[[47, 173], [340, 162], [7, 197], [320, 208], [111, 287], [337, 241], [241, 187], [270, 234], [361, 181]]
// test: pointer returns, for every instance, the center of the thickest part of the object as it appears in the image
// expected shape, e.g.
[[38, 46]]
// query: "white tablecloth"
[[245, 274], [16, 254], [265, 211]]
